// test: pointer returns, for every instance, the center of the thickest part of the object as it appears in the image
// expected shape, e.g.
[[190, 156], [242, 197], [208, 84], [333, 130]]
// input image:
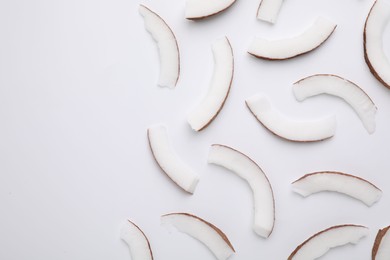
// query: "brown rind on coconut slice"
[[378, 239], [199, 18], [146, 238]]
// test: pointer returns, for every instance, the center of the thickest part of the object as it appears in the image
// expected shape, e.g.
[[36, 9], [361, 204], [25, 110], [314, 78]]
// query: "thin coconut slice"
[[167, 46], [268, 10], [211, 236], [320, 243], [169, 162], [246, 168], [199, 9], [284, 49], [374, 55], [342, 88], [381, 248], [137, 241], [290, 129], [219, 88], [347, 184]]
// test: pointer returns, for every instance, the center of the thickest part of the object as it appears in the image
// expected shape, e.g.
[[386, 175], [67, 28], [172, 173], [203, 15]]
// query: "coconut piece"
[[374, 55], [347, 184], [179, 172], [290, 129], [199, 9], [289, 48], [381, 248], [246, 168], [219, 88], [321, 242], [167, 46], [268, 10], [137, 242], [342, 88], [211, 236]]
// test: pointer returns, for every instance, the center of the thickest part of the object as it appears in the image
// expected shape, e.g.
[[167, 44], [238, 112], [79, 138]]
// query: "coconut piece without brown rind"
[[321, 242], [167, 46], [219, 87], [200, 9], [268, 10], [246, 168], [137, 241], [335, 85], [381, 248], [289, 48], [376, 22], [202, 230], [290, 129], [166, 158], [347, 184]]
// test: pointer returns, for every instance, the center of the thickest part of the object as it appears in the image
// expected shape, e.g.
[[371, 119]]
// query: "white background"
[[78, 91]]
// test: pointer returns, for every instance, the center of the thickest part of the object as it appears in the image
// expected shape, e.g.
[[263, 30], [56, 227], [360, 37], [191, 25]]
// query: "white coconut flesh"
[[219, 87], [268, 10], [198, 9], [347, 184], [288, 48], [247, 169], [167, 47], [382, 245], [287, 128], [137, 242], [178, 171], [322, 242], [212, 237], [376, 22]]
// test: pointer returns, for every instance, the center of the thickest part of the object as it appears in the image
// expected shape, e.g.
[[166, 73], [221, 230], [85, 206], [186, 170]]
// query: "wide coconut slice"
[[342, 88], [347, 184], [246, 168], [211, 236], [287, 128], [169, 162], [268, 10], [219, 88], [374, 55], [167, 46], [137, 241], [321, 242], [381, 248], [199, 9], [289, 48]]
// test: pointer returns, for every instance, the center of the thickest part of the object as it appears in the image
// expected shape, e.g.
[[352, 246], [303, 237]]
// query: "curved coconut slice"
[[374, 55], [350, 185], [169, 162], [268, 10], [219, 88], [320, 243], [246, 168], [137, 241], [199, 9], [167, 46], [200, 229], [340, 87], [289, 129], [381, 248], [284, 49]]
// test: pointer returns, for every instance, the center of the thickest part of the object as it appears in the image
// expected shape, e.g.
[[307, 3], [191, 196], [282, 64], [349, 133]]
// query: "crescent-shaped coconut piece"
[[199, 9], [381, 248], [321, 242], [179, 172], [219, 88], [268, 10], [167, 46], [374, 55], [247, 169], [342, 88], [347, 184], [287, 128], [198, 228], [289, 48], [137, 242]]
